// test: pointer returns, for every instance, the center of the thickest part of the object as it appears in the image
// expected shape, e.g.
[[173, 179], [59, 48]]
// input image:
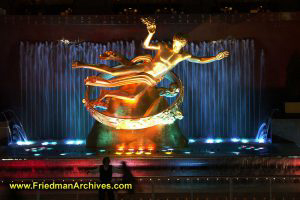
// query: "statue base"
[[102, 136]]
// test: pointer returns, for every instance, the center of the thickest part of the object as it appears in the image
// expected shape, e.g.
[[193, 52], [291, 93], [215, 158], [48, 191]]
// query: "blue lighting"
[[218, 140], [78, 142], [262, 133], [49, 143], [74, 142], [261, 140], [69, 142], [236, 152], [187, 152], [235, 139], [209, 141], [244, 141], [192, 140], [102, 150], [25, 143], [88, 154], [36, 154], [63, 154]]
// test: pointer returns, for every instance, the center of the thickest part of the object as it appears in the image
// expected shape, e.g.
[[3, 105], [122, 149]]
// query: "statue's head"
[[179, 41]]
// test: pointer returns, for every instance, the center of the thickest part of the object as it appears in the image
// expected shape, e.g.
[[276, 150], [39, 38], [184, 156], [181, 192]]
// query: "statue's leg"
[[140, 78], [125, 70], [100, 67], [124, 95]]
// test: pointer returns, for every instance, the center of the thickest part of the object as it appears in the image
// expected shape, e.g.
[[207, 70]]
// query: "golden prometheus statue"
[[136, 81]]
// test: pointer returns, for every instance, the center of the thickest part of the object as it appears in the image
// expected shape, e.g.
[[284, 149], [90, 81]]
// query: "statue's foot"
[[90, 79], [109, 55], [77, 64]]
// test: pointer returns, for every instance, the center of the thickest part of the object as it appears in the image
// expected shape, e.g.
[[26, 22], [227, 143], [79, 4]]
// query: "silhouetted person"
[[128, 178], [106, 171]]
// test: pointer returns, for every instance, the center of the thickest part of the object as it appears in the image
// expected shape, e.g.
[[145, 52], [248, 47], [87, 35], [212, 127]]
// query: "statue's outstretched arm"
[[151, 27], [219, 56]]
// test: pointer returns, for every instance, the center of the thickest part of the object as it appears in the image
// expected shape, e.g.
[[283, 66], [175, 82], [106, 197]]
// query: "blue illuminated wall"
[[222, 99]]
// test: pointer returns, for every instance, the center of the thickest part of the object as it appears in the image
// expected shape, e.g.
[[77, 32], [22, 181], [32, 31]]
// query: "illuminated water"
[[222, 99]]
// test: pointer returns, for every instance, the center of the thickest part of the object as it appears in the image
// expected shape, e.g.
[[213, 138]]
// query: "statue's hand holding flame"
[[150, 23]]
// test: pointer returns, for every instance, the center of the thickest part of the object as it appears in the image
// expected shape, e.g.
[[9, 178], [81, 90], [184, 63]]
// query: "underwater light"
[[261, 140], [78, 142], [209, 141], [235, 139], [192, 140], [150, 148], [244, 141], [25, 142], [74, 142], [69, 142], [218, 140], [139, 152], [49, 143]]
